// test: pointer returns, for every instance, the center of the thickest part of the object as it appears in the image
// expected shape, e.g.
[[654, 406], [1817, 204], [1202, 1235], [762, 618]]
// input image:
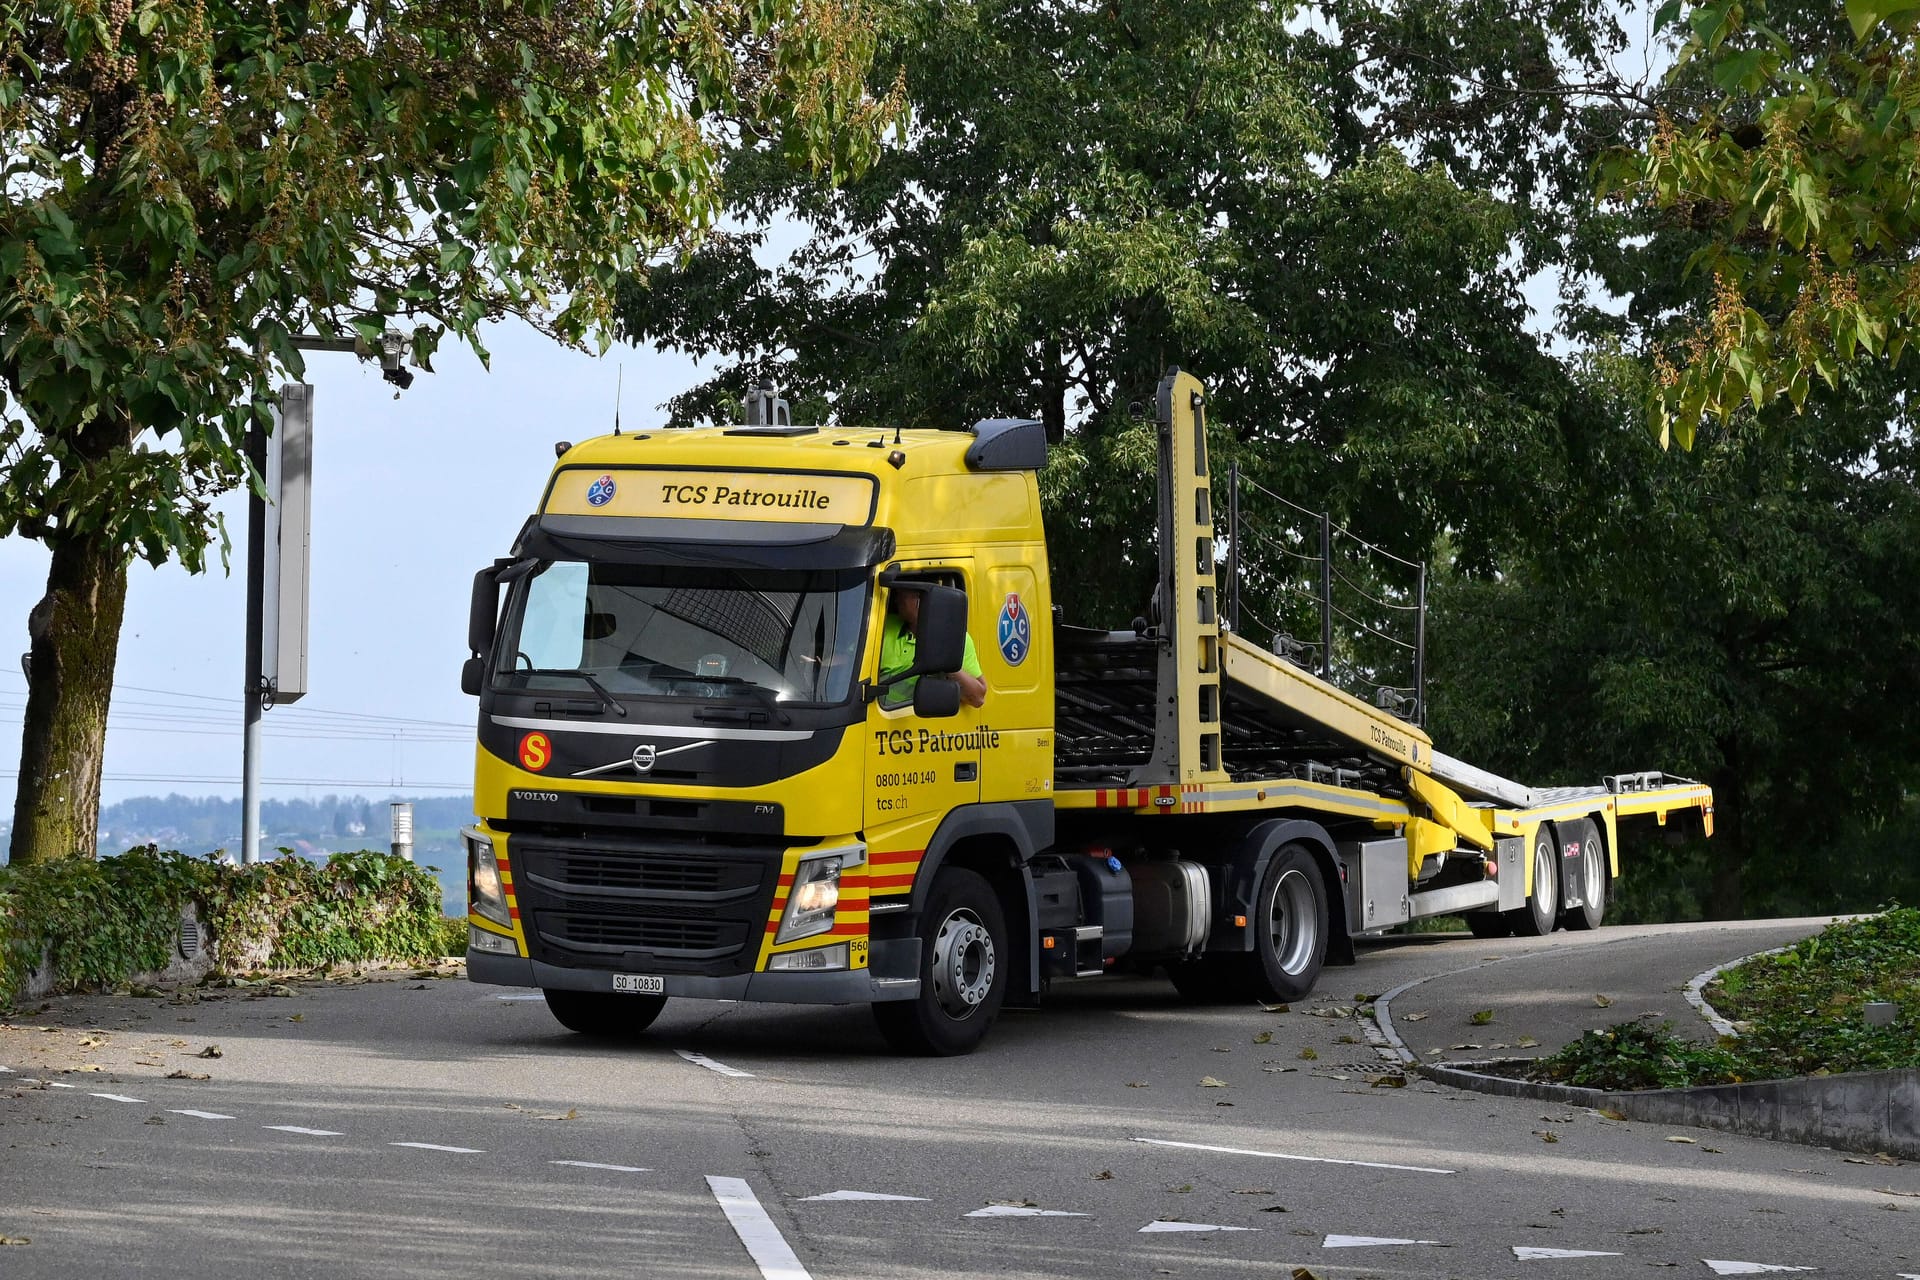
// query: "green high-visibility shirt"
[[897, 649]]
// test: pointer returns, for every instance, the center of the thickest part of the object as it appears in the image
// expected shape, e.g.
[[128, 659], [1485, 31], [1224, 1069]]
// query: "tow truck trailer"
[[695, 779]]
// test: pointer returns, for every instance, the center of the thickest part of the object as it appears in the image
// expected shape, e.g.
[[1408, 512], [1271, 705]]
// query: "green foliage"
[[453, 936], [1638, 1055], [1799, 1014], [1790, 147], [101, 922]]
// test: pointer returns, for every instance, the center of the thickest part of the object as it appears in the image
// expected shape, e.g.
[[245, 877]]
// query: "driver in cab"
[[898, 645]]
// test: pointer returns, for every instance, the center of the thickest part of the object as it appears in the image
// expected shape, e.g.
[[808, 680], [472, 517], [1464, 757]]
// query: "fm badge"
[[601, 491], [1016, 630], [536, 751]]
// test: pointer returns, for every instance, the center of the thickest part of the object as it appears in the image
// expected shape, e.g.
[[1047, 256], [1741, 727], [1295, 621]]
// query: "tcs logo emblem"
[[536, 751]]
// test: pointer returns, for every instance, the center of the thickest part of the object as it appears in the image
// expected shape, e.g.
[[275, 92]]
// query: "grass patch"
[[1798, 1013]]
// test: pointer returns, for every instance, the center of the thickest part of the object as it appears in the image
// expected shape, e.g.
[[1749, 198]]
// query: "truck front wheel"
[[963, 971], [602, 1014]]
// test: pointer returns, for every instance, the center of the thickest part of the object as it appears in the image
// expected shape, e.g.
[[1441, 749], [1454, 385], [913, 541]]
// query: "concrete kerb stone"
[[1871, 1111], [1696, 992]]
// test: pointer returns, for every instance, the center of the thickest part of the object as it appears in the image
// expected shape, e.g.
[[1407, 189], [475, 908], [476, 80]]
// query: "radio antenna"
[[619, 385]]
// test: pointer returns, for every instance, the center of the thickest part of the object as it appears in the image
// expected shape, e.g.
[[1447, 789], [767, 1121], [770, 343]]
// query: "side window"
[[556, 613], [897, 646]]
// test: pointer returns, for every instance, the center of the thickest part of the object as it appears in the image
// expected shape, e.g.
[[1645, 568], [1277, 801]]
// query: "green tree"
[[189, 184], [1788, 141], [1315, 211]]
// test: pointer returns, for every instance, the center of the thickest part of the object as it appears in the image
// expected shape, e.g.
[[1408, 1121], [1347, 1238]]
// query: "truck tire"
[[1290, 926], [602, 1014], [1535, 918], [1488, 924], [963, 971], [1593, 874]]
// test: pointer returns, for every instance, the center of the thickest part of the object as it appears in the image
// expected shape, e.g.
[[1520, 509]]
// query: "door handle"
[[966, 771]]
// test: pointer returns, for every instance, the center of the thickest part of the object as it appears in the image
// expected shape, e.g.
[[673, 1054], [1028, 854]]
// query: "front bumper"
[[844, 986]]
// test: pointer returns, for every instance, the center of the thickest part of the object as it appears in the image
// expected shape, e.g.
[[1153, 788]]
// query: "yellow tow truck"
[[695, 779]]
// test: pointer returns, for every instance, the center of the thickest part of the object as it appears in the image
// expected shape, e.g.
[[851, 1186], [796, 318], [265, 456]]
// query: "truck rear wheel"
[[1592, 872], [1536, 918], [602, 1014], [1290, 929], [963, 971]]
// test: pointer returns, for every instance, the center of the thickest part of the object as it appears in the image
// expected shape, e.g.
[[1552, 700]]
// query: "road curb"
[[1871, 1111]]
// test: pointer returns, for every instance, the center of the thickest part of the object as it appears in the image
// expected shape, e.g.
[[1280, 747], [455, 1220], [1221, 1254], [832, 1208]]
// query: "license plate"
[[641, 983]]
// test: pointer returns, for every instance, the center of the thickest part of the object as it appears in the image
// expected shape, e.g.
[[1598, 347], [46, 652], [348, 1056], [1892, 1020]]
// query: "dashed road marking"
[[1190, 1226], [516, 998], [434, 1146], [1363, 1242], [1022, 1211], [1724, 1267], [702, 1060], [859, 1195], [1280, 1155], [765, 1245], [589, 1164], [55, 1084], [1530, 1253], [303, 1131], [116, 1097], [197, 1115]]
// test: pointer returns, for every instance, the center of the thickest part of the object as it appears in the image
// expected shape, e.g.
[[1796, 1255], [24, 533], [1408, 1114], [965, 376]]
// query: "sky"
[[410, 497]]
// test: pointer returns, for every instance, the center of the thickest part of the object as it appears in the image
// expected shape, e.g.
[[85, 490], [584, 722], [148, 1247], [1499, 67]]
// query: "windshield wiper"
[[760, 692], [612, 703]]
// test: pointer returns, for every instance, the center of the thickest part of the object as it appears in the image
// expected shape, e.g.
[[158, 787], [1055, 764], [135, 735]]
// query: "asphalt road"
[[432, 1127]]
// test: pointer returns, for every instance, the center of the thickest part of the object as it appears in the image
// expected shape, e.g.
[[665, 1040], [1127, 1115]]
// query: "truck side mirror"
[[483, 610], [940, 644], [473, 673], [935, 696]]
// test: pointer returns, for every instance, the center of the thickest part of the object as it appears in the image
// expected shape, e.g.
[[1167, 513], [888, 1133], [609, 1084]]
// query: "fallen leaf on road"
[[1416, 1017], [211, 1051], [1331, 1011], [1546, 1135], [1608, 1113], [94, 1066], [1137, 1084], [1278, 1070], [1253, 1191], [1480, 1017], [1309, 1054], [1220, 1048], [88, 1042], [1692, 1142], [1105, 1175], [1305, 1273], [298, 1017], [1277, 1008], [6, 1240], [1265, 1037], [1275, 1208], [1388, 1080], [1223, 1104], [188, 1075], [1208, 1082], [1602, 1002], [1527, 1042], [573, 1113], [1645, 1231]]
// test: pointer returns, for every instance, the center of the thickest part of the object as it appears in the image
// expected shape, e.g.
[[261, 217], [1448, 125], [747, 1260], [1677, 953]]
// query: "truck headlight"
[[816, 893], [486, 896]]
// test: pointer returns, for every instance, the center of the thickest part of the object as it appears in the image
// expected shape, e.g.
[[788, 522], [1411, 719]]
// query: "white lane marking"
[[589, 1164], [305, 1132], [115, 1097], [1362, 1242], [197, 1115], [1021, 1211], [6, 1071], [1530, 1253], [1722, 1267], [55, 1084], [534, 996], [434, 1146], [859, 1195], [1190, 1226], [702, 1060], [1278, 1155], [765, 1245]]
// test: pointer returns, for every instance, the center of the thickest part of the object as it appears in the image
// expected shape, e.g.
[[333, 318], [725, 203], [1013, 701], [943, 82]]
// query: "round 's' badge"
[[601, 491], [536, 751], [1016, 630]]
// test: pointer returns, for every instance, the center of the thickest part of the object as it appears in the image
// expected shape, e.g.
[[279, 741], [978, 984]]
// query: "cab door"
[[918, 770]]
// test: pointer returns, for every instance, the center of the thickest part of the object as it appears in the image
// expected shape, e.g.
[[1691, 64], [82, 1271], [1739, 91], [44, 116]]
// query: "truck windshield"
[[638, 630]]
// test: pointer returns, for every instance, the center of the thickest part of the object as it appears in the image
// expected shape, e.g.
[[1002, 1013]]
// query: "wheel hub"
[[963, 964]]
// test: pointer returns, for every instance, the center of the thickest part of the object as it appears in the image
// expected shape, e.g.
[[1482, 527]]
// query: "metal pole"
[[1420, 653], [1326, 596], [1233, 545], [250, 696], [402, 829]]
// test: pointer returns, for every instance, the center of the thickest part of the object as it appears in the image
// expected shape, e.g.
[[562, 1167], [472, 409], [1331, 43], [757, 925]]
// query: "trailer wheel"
[[1290, 934], [1536, 918], [603, 1015], [963, 971], [1593, 874], [1488, 924]]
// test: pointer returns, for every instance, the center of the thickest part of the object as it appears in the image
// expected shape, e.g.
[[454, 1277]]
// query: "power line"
[[360, 783]]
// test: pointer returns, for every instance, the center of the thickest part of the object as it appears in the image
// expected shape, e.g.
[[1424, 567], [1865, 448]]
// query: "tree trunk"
[[76, 636]]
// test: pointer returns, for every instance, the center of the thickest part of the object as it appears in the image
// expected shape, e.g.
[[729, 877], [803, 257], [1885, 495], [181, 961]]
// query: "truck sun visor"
[[747, 544]]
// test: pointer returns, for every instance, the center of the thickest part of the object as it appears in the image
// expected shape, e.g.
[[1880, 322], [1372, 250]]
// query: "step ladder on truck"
[[723, 752]]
